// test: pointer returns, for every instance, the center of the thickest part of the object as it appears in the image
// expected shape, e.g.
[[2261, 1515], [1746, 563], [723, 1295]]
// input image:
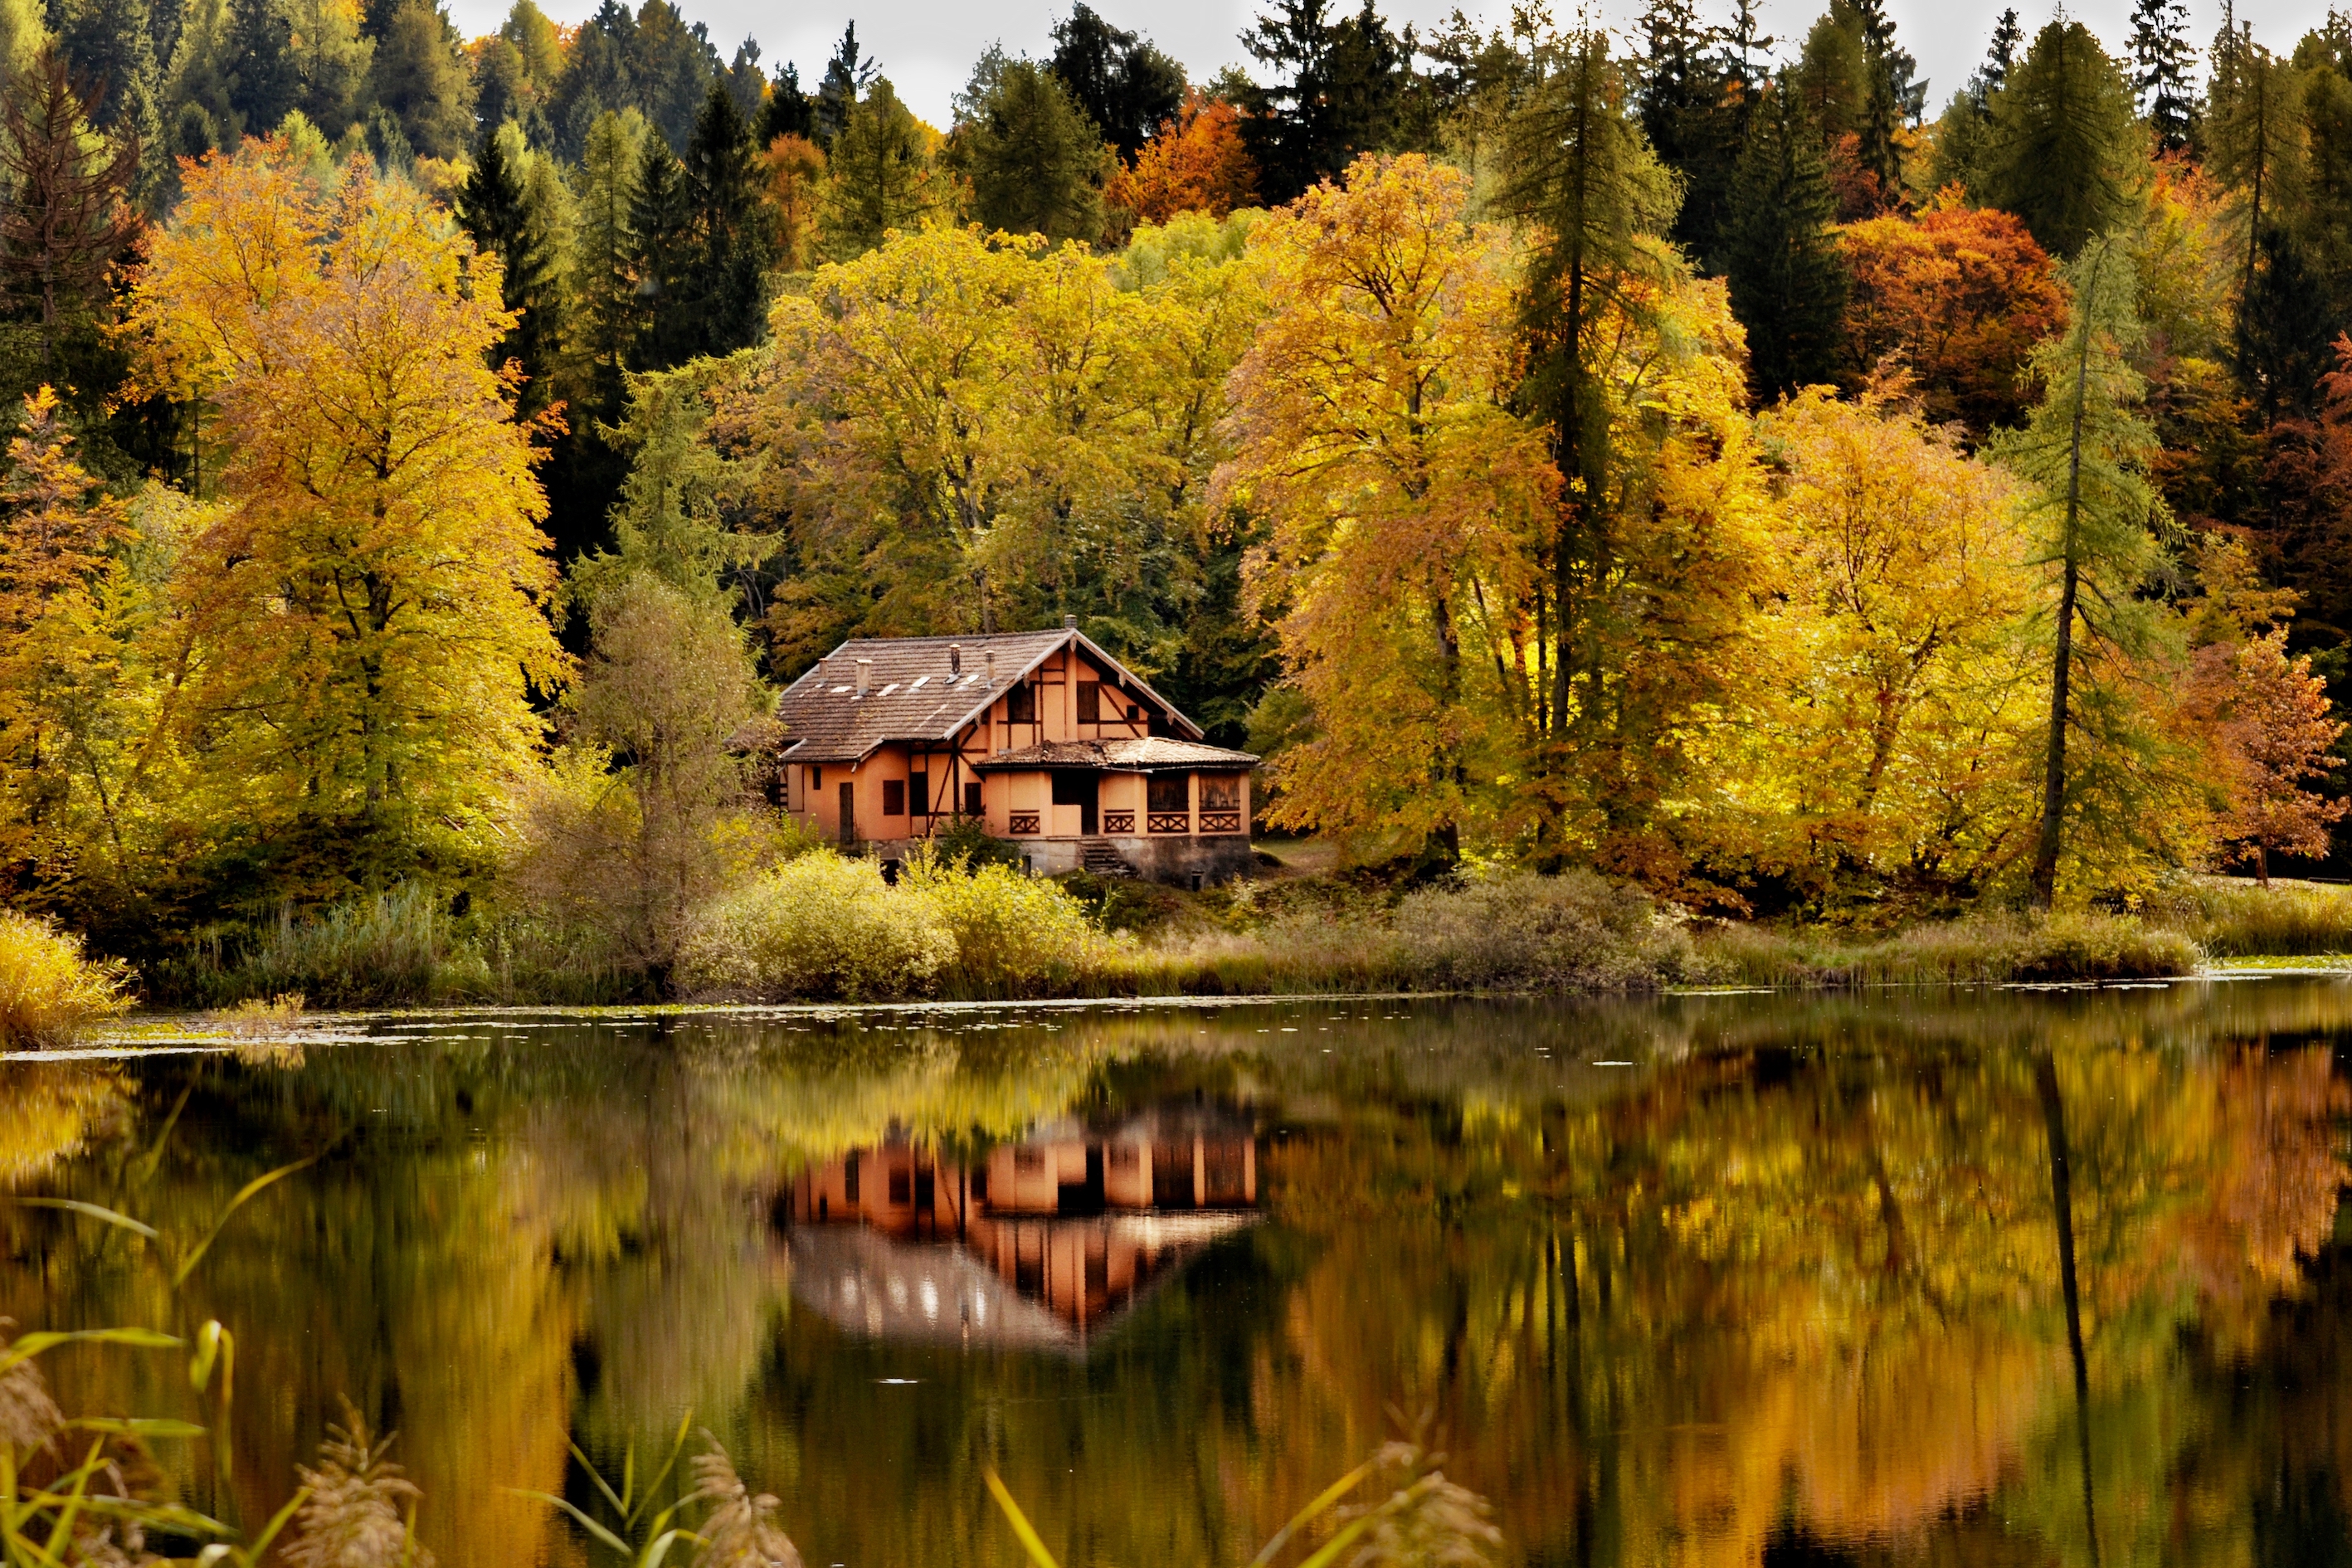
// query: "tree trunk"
[[2053, 767], [2062, 1205]]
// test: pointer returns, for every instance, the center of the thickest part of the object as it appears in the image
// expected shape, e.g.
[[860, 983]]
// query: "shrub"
[[818, 926], [1519, 932], [401, 946], [967, 838], [1013, 933], [49, 990]]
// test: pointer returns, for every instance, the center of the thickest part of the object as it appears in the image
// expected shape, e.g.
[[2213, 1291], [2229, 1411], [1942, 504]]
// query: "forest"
[[1682, 457]]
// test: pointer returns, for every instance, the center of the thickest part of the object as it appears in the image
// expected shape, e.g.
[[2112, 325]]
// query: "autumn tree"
[[1194, 163], [2083, 457], [794, 167], [2278, 733], [1958, 296], [65, 218], [370, 593], [1406, 498]]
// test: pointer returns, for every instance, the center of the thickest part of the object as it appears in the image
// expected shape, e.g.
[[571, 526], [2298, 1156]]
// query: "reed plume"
[[352, 1517], [742, 1532]]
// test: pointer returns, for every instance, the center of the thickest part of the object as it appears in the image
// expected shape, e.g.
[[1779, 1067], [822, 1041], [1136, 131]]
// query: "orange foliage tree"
[[1959, 295], [795, 167], [2278, 733], [370, 595], [1196, 163]]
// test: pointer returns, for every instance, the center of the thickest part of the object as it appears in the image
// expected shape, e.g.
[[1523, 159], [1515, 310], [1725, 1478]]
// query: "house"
[[1045, 737]]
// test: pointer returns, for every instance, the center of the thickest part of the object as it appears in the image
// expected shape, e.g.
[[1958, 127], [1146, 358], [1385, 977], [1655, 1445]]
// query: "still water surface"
[[1725, 1279]]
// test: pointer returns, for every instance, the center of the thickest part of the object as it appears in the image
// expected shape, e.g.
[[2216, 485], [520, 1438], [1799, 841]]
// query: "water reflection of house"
[[1036, 1244]]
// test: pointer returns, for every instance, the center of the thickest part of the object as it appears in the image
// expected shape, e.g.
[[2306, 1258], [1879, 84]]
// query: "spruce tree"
[[64, 220], [2253, 135], [1788, 282], [2063, 151], [109, 45], [262, 81], [1693, 104], [1032, 156], [846, 78], [2286, 323], [747, 84], [661, 224], [595, 80], [788, 110], [603, 261], [1892, 100], [1963, 131], [2084, 456], [1339, 89], [1122, 81], [670, 68], [494, 206], [732, 246], [420, 76], [2161, 61]]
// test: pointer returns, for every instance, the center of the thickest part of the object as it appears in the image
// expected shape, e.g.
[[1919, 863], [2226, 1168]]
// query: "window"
[[918, 792], [817, 778], [1089, 701], [1168, 792], [971, 807], [1020, 704], [1221, 792], [980, 1185], [894, 797], [1134, 714], [901, 1188], [849, 1179]]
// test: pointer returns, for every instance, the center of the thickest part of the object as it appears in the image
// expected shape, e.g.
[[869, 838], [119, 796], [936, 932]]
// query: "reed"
[[2231, 919], [1991, 948], [50, 990]]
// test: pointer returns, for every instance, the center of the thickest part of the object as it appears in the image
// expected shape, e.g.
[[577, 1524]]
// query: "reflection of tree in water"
[[1791, 1287]]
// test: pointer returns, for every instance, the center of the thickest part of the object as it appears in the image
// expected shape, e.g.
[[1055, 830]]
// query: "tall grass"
[[49, 989], [1989, 948], [2241, 920]]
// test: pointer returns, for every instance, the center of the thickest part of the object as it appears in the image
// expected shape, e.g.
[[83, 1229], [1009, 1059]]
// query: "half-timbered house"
[[1042, 736]]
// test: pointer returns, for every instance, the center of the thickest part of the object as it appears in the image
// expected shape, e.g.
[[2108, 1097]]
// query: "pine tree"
[[422, 78], [64, 221], [2161, 55], [846, 78], [747, 84], [1581, 174], [1964, 130], [596, 78], [262, 81], [661, 223], [1033, 158], [1122, 81], [788, 112], [2001, 55], [1692, 105], [1338, 92], [880, 174], [604, 262], [1893, 100], [2084, 456], [733, 245], [670, 68], [494, 206], [2063, 151], [1788, 282], [2254, 134], [2286, 323], [109, 45]]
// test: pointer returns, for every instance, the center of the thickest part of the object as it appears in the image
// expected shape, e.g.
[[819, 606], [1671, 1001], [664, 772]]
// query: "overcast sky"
[[927, 46]]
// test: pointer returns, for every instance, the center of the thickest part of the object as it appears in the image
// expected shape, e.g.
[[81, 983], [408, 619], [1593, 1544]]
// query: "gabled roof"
[[1142, 756], [911, 695]]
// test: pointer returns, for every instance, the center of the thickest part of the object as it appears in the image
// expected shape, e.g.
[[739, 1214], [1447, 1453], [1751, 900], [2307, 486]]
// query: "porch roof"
[[1146, 755]]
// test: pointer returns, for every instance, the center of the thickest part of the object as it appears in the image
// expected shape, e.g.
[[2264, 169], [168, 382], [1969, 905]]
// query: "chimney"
[[955, 660], [989, 658], [1069, 622], [865, 675]]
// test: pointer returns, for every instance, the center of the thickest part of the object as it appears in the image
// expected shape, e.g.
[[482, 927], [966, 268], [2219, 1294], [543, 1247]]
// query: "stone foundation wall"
[[1168, 857]]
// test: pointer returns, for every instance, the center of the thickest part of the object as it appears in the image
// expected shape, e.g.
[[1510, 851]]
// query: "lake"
[[1693, 1279]]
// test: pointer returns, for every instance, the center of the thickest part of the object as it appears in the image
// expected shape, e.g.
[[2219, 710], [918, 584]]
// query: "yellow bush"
[[49, 992], [1012, 932], [817, 926]]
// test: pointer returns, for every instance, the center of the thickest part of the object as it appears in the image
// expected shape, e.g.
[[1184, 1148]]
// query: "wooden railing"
[[1119, 822], [1169, 821], [1221, 822], [1021, 822]]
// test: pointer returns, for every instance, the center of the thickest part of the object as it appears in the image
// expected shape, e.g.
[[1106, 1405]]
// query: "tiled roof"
[[911, 695], [1142, 756]]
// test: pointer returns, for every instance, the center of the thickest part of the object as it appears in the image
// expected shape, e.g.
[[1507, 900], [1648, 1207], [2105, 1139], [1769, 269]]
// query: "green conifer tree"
[[661, 225], [262, 81], [2253, 135], [2162, 61], [1122, 81], [880, 175], [787, 111], [604, 257], [846, 78], [421, 77], [1695, 106], [1033, 159], [1788, 282], [2084, 455], [734, 243], [2064, 153], [495, 205], [595, 81]]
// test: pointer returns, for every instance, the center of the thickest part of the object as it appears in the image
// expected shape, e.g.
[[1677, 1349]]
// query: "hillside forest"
[[1686, 455]]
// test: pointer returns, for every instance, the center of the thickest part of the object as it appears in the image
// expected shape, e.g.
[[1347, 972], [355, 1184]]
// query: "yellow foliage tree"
[[1403, 494], [369, 597]]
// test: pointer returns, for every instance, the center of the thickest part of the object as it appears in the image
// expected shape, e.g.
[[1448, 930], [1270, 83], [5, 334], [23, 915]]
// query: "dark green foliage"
[[109, 45], [262, 81], [1340, 89], [595, 77], [967, 838], [1892, 98], [504, 92], [494, 208], [846, 78], [1033, 156], [2285, 325], [661, 220], [787, 111], [2063, 151], [421, 77], [880, 172], [1854, 80], [653, 62], [746, 83], [1788, 282], [1694, 103], [1122, 81], [722, 296], [2162, 61], [2001, 55]]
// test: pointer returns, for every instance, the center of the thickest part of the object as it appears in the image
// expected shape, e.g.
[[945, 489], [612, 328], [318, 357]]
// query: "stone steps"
[[1097, 856]]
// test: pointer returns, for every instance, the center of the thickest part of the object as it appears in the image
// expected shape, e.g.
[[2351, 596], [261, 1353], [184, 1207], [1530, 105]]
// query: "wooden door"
[[848, 812]]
